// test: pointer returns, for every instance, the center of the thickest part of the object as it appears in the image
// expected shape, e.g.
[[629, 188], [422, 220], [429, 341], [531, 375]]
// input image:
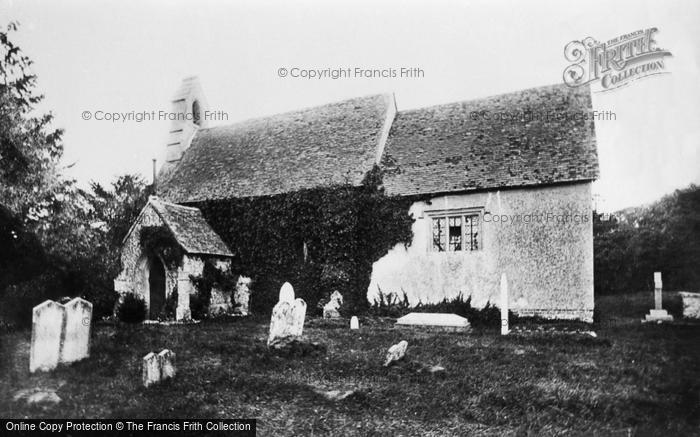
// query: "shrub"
[[390, 304], [488, 316], [393, 305], [131, 309]]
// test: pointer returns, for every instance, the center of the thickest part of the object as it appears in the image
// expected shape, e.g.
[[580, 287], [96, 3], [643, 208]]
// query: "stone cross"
[[658, 314], [76, 343], [504, 305], [48, 321], [354, 323], [151, 369], [658, 287]]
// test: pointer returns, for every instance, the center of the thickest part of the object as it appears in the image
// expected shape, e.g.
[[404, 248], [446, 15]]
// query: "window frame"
[[456, 212]]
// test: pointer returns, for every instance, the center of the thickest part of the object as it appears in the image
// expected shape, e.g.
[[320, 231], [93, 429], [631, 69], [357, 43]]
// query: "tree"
[[30, 150]]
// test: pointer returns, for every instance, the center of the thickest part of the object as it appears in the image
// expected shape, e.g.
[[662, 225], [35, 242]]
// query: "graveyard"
[[540, 379]]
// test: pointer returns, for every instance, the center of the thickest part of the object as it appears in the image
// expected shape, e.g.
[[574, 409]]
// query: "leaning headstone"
[[151, 370], [48, 321], [354, 323], [76, 343], [396, 352], [241, 296], [286, 293], [279, 322], [166, 360], [504, 305], [298, 316], [658, 314], [331, 310]]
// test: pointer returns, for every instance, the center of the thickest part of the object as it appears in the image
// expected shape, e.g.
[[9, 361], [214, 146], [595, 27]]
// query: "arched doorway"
[[156, 286]]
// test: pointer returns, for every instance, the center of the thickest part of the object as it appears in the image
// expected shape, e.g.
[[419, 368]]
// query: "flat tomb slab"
[[441, 320]]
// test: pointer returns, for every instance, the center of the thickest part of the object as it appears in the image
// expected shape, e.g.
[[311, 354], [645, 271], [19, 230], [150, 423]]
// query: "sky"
[[123, 56]]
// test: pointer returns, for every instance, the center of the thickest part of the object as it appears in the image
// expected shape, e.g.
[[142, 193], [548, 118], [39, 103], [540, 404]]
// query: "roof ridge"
[[295, 111], [491, 96]]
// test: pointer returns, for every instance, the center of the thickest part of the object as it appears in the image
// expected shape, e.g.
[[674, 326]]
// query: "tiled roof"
[[447, 148], [330, 144], [190, 229]]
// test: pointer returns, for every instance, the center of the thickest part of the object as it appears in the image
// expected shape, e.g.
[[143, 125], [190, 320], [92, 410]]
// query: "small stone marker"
[[504, 305], [48, 321], [658, 314], [158, 368], [151, 369], [691, 305], [286, 293], [354, 323], [435, 320], [76, 343], [331, 309], [166, 360], [298, 317], [396, 352], [241, 296]]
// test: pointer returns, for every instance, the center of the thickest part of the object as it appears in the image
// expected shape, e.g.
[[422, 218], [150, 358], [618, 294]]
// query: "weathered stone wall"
[[549, 263], [135, 272]]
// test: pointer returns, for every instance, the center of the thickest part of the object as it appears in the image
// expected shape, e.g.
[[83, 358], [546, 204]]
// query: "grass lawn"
[[643, 377]]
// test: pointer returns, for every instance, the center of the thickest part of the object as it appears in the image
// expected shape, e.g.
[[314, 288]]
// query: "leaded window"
[[456, 232]]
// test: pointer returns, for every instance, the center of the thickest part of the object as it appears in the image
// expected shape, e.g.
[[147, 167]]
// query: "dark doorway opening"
[[156, 285]]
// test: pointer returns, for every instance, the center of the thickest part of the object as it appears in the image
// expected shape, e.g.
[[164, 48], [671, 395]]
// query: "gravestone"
[[241, 296], [286, 293], [151, 369], [166, 360], [504, 305], [331, 309], [298, 316], [76, 342], [691, 305], [354, 323], [435, 320], [287, 320], [280, 321], [658, 314], [48, 321], [396, 352]]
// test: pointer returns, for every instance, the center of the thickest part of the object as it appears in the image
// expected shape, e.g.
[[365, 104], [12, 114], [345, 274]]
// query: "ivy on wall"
[[210, 278], [159, 241], [319, 240]]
